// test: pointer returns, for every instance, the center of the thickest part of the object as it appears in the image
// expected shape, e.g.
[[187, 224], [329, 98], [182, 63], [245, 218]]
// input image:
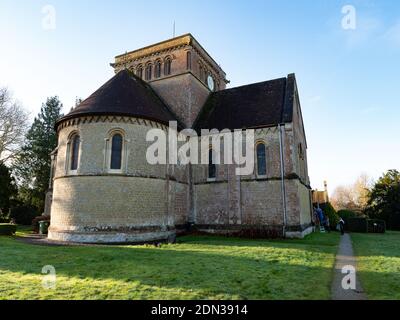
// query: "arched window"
[[157, 69], [148, 72], [116, 152], [212, 169], [167, 66], [139, 72], [188, 60], [261, 160], [74, 156]]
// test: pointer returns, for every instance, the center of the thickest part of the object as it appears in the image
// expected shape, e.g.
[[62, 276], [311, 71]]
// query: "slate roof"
[[261, 104], [124, 95]]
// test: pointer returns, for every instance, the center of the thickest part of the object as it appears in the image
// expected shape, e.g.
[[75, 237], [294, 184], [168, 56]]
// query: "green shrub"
[[4, 217], [376, 226], [330, 212], [23, 214], [347, 214], [357, 225], [7, 229]]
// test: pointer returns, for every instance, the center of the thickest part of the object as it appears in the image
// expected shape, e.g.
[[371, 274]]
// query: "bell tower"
[[180, 71]]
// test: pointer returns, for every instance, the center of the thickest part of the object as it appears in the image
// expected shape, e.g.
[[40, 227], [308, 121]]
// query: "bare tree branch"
[[13, 126]]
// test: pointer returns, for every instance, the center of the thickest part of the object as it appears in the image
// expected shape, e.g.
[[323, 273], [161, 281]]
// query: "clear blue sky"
[[348, 79]]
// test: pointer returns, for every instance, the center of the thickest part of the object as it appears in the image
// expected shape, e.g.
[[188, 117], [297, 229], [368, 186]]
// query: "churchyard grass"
[[378, 259], [196, 267]]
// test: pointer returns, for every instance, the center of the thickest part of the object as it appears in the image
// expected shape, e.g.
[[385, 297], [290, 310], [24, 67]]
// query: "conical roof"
[[124, 95]]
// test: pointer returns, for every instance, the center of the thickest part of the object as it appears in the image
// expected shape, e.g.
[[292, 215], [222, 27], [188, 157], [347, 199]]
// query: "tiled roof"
[[125, 95], [256, 105]]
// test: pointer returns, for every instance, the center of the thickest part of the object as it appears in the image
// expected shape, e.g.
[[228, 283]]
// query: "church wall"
[[270, 137], [305, 205], [299, 159], [184, 94], [211, 204], [259, 202], [300, 163], [298, 213], [262, 203], [144, 199], [178, 201], [232, 201], [108, 201], [93, 148]]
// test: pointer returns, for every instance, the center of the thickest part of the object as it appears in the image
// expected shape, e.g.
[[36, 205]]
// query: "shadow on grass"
[[202, 267], [314, 239]]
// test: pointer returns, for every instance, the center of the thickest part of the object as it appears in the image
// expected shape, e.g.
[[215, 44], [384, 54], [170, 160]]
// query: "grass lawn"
[[378, 257], [201, 267]]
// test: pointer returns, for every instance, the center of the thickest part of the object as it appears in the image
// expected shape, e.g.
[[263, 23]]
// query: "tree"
[[352, 197], [8, 189], [361, 190], [342, 198], [384, 199], [13, 125], [33, 163]]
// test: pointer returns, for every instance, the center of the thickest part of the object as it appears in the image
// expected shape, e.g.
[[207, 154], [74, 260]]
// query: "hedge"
[[23, 214], [7, 229], [330, 212], [376, 226], [346, 214], [365, 225], [356, 225]]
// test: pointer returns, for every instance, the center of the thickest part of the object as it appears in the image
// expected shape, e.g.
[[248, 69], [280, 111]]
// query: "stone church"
[[103, 190]]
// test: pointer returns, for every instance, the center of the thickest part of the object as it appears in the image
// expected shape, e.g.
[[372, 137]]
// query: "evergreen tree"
[[8, 189], [384, 199], [33, 164]]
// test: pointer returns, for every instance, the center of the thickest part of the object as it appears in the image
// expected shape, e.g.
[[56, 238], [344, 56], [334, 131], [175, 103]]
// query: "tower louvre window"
[[139, 72], [157, 69], [148, 72], [167, 67]]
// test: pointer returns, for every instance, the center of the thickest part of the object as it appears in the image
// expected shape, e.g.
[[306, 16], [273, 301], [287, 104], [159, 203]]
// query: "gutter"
[[283, 189]]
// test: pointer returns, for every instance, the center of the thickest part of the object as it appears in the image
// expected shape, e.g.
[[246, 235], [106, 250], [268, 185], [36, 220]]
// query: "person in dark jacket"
[[321, 219]]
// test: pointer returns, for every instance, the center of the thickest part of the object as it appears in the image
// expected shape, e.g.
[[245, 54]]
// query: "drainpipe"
[[281, 149]]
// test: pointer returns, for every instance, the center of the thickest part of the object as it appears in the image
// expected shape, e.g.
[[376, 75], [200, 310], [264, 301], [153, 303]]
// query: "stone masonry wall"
[[231, 200], [184, 94], [92, 199]]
